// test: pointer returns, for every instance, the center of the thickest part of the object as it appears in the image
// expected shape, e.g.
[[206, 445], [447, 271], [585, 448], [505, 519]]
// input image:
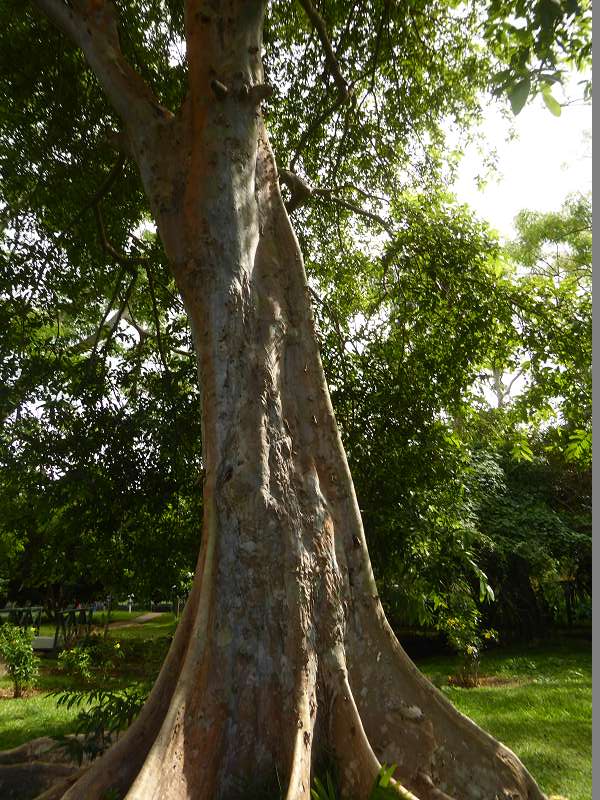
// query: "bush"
[[17, 653], [91, 654], [76, 662], [103, 714], [104, 653]]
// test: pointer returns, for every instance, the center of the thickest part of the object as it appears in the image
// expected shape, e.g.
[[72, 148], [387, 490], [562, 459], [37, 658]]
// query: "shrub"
[[103, 714], [17, 653], [76, 662], [104, 653], [93, 653]]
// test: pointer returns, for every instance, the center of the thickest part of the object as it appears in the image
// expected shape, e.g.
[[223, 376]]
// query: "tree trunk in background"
[[283, 656]]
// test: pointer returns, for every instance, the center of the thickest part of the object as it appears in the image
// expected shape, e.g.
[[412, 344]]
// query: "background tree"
[[537, 516]]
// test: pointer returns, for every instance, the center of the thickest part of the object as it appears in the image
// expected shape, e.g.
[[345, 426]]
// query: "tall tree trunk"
[[283, 655]]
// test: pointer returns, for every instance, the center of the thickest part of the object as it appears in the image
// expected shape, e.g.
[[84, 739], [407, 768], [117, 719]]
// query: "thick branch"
[[330, 59], [94, 30], [301, 192], [109, 248]]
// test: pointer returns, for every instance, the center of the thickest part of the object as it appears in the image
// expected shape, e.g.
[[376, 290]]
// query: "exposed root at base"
[[359, 764]]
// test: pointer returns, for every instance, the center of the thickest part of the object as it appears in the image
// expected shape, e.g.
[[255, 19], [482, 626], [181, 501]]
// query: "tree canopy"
[[412, 304], [273, 664]]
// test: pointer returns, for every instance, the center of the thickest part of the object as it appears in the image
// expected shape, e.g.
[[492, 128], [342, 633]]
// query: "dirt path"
[[137, 620]]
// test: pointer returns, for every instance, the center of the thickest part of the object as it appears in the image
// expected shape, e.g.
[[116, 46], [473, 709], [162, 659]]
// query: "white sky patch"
[[549, 159], [546, 159]]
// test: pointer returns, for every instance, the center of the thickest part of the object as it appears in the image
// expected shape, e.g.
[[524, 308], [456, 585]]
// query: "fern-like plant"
[[103, 714], [382, 788]]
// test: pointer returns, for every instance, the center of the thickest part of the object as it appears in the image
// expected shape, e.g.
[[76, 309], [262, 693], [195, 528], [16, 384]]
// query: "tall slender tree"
[[283, 654]]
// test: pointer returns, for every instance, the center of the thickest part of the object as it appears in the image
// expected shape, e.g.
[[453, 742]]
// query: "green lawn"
[[160, 626], [144, 647], [540, 706], [99, 618], [21, 720], [544, 715]]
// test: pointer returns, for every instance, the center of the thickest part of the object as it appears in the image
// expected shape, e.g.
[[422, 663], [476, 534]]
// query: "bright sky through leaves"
[[549, 159]]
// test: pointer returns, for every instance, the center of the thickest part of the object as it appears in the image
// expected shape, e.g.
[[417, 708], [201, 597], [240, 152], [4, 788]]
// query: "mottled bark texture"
[[283, 656]]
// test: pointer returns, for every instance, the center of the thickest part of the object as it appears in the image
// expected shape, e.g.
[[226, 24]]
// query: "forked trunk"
[[283, 657]]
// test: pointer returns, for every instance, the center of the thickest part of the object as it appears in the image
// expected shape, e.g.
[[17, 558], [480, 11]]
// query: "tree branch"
[[312, 128], [510, 385], [103, 189], [93, 28], [301, 192], [156, 319], [328, 194], [103, 322], [330, 59], [109, 248], [120, 312]]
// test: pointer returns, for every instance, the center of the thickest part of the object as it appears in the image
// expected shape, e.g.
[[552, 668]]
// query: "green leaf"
[[320, 792], [551, 103], [521, 451], [518, 95], [549, 12], [330, 787], [385, 774]]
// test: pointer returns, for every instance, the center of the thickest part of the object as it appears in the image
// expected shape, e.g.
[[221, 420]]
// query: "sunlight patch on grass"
[[545, 717]]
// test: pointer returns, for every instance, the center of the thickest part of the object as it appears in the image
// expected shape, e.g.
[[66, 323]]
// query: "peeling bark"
[[283, 653]]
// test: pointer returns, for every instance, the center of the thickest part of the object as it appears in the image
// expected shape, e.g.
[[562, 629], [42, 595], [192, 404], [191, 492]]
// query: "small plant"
[[17, 653], [105, 654], [76, 662], [103, 714], [91, 654], [469, 644], [322, 792], [382, 788]]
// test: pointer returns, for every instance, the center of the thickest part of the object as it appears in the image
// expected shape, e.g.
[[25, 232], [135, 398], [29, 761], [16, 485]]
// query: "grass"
[[21, 720], [539, 705], [544, 714], [37, 715], [99, 618], [160, 626]]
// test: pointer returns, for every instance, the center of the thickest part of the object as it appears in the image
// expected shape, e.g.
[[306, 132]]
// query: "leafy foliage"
[[103, 714], [18, 656], [90, 655], [538, 42], [100, 452], [76, 662], [382, 788]]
